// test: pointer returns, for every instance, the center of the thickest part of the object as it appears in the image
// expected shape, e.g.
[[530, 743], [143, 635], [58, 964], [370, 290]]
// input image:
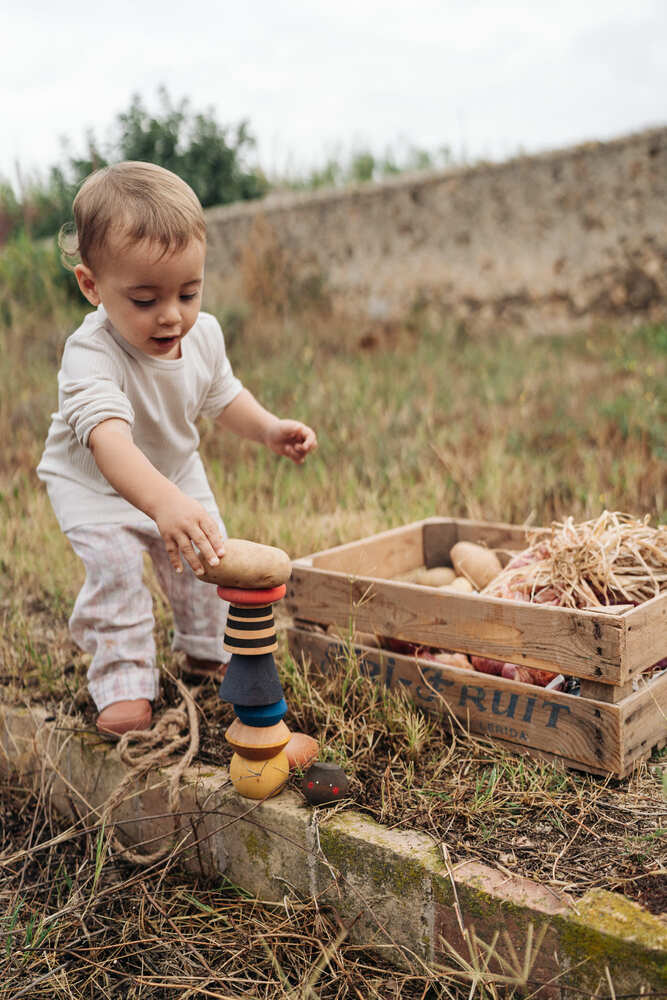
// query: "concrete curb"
[[406, 897]]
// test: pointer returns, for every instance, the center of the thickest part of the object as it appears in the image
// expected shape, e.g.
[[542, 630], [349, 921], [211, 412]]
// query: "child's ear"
[[87, 283]]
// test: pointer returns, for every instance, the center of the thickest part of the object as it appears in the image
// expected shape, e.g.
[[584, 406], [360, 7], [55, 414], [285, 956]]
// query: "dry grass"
[[412, 421], [612, 559], [80, 923], [567, 830]]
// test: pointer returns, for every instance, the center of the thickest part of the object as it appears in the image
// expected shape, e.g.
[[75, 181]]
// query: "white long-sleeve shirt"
[[102, 376]]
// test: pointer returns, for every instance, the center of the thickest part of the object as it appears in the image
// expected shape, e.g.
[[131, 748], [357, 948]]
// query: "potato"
[[411, 576], [459, 585], [437, 576], [477, 564], [442, 656], [249, 565]]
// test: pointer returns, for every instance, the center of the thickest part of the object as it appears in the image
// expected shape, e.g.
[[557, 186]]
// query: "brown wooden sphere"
[[301, 750], [258, 742]]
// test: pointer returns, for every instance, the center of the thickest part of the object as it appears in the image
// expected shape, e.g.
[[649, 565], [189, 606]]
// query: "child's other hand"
[[292, 439], [183, 521]]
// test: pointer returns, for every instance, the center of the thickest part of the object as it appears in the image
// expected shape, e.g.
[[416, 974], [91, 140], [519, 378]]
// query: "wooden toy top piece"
[[249, 566], [252, 598]]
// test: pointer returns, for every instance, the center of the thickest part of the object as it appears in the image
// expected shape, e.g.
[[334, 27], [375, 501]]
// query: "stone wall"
[[548, 242]]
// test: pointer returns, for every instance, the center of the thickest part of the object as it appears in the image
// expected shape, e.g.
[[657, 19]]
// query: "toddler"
[[121, 464]]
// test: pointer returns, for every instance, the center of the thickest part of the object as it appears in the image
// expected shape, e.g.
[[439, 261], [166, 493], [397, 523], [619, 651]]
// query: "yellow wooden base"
[[259, 779]]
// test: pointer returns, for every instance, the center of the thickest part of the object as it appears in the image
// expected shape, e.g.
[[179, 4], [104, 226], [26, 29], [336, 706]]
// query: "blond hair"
[[136, 201]]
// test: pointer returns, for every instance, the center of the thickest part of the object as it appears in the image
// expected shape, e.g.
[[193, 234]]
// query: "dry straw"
[[614, 559]]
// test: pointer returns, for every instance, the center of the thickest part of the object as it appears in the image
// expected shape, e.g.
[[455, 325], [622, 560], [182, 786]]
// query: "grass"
[[492, 805], [413, 421], [71, 930], [429, 421]]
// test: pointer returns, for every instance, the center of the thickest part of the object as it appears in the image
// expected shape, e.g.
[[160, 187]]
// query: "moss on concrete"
[[391, 883], [606, 929], [256, 846], [479, 904], [401, 875], [613, 914]]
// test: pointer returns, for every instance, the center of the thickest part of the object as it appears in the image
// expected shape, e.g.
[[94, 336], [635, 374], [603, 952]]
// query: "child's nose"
[[170, 315]]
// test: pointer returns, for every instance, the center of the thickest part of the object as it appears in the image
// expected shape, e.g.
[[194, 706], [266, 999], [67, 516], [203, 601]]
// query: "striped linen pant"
[[113, 614]]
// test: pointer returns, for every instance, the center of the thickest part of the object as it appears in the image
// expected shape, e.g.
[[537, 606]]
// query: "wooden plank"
[[439, 536], [387, 554], [644, 720], [571, 642], [583, 733], [605, 692], [646, 633]]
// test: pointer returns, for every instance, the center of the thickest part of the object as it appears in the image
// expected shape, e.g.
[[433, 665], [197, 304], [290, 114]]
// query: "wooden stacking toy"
[[324, 784], [252, 578]]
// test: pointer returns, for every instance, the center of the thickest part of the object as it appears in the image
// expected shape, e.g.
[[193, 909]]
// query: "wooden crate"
[[609, 728]]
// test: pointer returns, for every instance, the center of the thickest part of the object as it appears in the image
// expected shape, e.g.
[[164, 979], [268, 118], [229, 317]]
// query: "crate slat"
[[646, 633], [581, 733], [605, 692], [387, 554], [644, 721], [579, 643]]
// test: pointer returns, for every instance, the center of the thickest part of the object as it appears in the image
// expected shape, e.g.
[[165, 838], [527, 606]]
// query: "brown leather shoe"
[[123, 716], [198, 670]]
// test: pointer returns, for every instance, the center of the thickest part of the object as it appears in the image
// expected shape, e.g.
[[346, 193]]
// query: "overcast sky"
[[313, 78]]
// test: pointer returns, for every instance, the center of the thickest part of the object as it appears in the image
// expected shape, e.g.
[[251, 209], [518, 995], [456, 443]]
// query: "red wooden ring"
[[236, 596]]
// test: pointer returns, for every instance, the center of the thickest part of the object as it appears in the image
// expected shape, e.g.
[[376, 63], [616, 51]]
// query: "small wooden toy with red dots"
[[324, 783], [252, 578]]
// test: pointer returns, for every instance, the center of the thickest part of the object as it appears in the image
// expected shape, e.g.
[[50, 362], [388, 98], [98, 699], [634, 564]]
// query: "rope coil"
[[144, 750]]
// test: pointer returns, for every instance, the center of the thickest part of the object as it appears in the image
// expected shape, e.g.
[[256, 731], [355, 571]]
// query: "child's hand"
[[292, 439], [182, 521]]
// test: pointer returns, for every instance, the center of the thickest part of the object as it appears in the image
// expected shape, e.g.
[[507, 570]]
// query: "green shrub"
[[33, 280], [208, 156]]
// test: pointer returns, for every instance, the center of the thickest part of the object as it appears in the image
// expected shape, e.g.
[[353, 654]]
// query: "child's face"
[[152, 300]]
